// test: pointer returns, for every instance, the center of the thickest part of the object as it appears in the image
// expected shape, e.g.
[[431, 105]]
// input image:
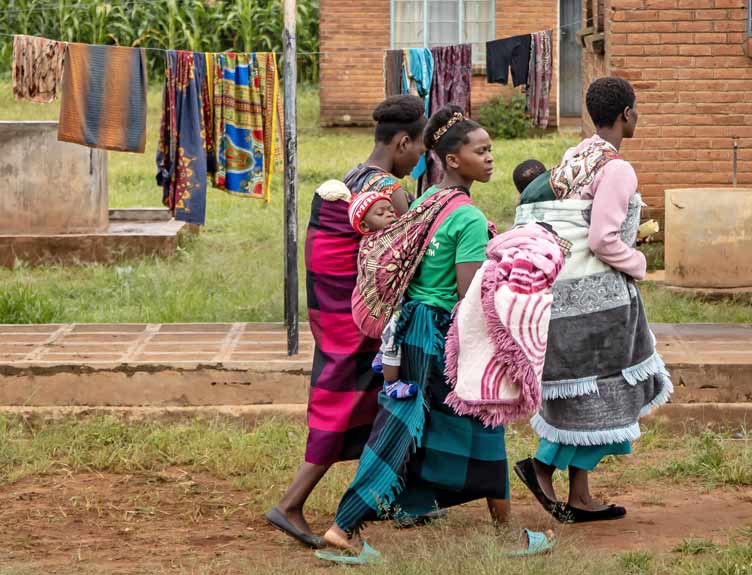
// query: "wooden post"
[[291, 179]]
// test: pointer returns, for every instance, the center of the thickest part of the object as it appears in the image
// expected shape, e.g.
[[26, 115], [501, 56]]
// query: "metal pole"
[[291, 179]]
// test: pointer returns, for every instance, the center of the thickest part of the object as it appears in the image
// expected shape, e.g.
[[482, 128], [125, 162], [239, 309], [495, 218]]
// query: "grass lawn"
[[92, 496], [233, 270]]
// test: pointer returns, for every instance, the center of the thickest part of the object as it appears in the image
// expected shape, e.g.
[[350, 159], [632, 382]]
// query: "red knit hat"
[[360, 205]]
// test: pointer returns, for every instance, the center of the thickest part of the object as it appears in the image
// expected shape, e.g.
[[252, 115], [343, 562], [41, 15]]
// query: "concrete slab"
[[120, 240], [245, 364]]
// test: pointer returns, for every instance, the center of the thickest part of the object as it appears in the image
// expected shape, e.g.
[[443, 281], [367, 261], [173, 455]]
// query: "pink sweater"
[[611, 191]]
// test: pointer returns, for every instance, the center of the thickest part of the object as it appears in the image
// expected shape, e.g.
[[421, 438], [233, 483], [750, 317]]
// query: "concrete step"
[[183, 365]]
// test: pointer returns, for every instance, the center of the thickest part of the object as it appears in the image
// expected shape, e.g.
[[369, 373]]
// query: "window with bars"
[[417, 23]]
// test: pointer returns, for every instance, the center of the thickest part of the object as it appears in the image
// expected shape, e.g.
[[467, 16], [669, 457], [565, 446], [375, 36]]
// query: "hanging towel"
[[506, 52], [418, 72], [452, 76], [393, 65], [497, 343], [271, 110], [37, 68], [104, 97], [181, 155], [246, 116], [538, 89], [207, 112]]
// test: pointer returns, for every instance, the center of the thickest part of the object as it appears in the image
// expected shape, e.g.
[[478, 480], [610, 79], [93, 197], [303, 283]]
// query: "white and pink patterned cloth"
[[496, 345]]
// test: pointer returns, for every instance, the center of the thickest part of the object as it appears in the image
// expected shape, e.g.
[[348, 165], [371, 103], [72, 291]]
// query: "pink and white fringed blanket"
[[496, 345]]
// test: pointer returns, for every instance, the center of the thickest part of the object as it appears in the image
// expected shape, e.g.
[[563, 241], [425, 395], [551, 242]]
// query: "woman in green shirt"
[[457, 459]]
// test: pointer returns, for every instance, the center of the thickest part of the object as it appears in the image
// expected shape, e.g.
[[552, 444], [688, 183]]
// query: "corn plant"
[[198, 25]]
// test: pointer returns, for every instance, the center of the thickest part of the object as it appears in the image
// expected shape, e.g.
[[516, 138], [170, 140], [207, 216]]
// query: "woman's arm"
[[465, 274], [400, 201], [610, 206]]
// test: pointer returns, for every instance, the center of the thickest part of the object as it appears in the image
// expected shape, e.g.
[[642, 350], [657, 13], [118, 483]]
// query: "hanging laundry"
[[452, 78], [246, 96], [417, 79], [393, 70], [207, 112], [182, 153], [37, 68], [511, 52], [538, 88], [418, 73], [271, 110], [104, 97]]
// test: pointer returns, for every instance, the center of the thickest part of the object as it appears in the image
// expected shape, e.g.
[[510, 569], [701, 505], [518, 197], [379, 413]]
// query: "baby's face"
[[378, 217]]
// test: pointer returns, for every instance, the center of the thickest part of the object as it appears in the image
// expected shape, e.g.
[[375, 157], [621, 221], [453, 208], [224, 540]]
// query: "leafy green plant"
[[505, 118], [198, 25]]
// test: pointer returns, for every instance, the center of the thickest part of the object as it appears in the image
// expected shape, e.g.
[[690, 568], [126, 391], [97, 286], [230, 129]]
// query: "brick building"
[[352, 83], [689, 63]]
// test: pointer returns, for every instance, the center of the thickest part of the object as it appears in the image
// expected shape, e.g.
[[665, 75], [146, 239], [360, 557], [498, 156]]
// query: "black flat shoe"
[[574, 515], [525, 470], [278, 520]]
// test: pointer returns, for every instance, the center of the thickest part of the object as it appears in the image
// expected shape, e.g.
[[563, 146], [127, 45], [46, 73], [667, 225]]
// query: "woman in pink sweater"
[[601, 371]]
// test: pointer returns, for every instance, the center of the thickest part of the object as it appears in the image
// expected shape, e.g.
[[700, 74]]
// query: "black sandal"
[[278, 519], [525, 470], [574, 515]]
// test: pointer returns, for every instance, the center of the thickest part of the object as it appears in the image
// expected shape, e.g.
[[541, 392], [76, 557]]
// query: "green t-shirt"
[[461, 238], [539, 190]]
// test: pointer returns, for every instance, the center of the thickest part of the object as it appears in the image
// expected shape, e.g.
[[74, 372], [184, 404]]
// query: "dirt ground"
[[174, 520]]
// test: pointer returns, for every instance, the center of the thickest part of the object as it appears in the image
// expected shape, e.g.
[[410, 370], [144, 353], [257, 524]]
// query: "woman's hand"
[[399, 201]]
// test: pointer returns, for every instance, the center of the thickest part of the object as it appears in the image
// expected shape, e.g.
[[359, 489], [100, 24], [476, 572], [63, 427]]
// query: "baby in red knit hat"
[[371, 212]]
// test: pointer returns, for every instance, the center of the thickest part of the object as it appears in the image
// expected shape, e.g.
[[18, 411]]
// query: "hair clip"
[[456, 117]]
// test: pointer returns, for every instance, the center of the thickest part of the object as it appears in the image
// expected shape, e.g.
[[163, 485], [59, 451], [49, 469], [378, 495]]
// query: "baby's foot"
[[400, 390]]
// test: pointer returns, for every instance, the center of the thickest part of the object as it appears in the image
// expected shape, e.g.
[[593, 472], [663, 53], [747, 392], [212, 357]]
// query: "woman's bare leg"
[[545, 475], [579, 491], [303, 484], [500, 510]]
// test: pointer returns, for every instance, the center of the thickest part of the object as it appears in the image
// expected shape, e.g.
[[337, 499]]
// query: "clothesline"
[[320, 53]]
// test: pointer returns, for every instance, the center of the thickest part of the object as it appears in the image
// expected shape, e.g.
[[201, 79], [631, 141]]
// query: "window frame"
[[460, 25]]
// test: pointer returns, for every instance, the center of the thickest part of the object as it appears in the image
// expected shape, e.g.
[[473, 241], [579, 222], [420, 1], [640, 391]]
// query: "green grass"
[[233, 271], [713, 458], [260, 461], [665, 307]]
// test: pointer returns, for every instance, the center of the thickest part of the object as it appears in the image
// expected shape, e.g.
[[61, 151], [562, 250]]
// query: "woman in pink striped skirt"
[[344, 389]]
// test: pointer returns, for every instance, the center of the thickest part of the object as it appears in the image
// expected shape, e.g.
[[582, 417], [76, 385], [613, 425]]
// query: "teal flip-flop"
[[368, 555], [537, 544]]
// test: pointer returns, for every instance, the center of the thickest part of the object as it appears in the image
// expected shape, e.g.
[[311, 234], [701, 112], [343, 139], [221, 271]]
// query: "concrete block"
[[49, 187]]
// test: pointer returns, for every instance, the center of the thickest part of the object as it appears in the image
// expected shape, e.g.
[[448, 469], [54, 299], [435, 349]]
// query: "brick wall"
[[521, 17], [687, 62], [351, 85]]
